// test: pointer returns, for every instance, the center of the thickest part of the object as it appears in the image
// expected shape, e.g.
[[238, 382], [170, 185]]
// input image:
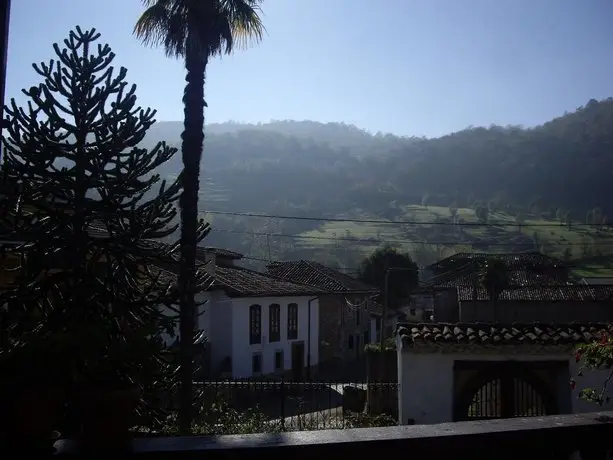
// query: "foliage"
[[360, 420], [388, 345], [220, 418], [86, 208], [213, 26], [403, 273], [597, 355]]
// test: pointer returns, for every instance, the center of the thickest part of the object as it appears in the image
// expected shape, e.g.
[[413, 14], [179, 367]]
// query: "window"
[[357, 317], [350, 344], [255, 324], [292, 321], [357, 342], [278, 360], [366, 337], [274, 322], [256, 363]]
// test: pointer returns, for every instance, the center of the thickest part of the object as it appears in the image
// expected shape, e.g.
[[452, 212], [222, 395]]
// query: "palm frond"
[[163, 23], [221, 25], [244, 22]]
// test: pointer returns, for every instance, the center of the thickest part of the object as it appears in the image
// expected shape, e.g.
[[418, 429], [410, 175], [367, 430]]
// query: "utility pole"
[[386, 288], [5, 14]]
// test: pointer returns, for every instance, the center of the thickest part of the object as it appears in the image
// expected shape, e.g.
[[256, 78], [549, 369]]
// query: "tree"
[[403, 274], [424, 199], [482, 213], [495, 279], [568, 255], [568, 219], [91, 208], [195, 31], [453, 211], [394, 273], [519, 221]]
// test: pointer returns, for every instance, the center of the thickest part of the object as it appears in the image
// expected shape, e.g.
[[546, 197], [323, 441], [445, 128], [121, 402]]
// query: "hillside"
[[325, 170]]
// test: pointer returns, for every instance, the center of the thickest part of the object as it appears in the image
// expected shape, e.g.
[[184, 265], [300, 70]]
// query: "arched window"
[[255, 324], [274, 322], [292, 321]]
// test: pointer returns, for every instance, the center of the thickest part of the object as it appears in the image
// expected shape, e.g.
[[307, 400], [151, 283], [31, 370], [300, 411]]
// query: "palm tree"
[[195, 30]]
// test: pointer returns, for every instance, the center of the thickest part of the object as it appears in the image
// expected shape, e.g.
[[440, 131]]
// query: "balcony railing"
[[552, 437]]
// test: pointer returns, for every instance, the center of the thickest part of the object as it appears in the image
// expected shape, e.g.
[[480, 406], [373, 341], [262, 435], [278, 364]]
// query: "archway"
[[503, 390]]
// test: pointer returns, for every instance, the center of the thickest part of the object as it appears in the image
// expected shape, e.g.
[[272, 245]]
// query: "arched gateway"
[[503, 389], [460, 371]]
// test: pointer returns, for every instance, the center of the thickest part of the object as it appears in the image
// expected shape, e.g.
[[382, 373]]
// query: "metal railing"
[[246, 406]]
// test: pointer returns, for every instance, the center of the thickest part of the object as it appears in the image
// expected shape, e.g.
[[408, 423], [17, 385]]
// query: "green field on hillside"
[[585, 248]]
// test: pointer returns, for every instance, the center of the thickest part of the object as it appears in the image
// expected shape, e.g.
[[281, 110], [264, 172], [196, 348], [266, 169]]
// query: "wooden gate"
[[504, 390]]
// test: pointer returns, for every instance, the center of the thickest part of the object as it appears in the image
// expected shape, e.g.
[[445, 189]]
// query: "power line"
[[393, 222], [374, 240]]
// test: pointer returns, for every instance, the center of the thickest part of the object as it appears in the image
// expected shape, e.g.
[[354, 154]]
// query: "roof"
[[238, 281], [543, 293], [514, 334], [517, 278], [219, 252], [515, 259], [598, 280], [243, 282], [316, 274]]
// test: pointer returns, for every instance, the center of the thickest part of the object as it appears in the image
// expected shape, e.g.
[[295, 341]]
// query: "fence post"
[[282, 403]]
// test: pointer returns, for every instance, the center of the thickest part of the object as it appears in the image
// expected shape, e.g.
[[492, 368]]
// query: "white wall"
[[202, 321], [373, 330], [242, 351], [426, 382], [216, 321]]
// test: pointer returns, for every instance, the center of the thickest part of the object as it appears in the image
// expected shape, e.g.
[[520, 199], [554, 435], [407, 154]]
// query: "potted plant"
[[108, 396], [33, 380]]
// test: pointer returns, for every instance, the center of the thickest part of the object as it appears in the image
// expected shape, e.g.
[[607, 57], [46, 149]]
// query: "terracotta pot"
[[30, 417], [107, 415]]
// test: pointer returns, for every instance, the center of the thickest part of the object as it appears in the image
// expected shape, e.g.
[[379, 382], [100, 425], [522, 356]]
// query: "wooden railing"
[[552, 437]]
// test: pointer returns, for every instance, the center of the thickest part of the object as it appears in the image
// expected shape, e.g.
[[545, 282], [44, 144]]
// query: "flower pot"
[[30, 417], [107, 415]]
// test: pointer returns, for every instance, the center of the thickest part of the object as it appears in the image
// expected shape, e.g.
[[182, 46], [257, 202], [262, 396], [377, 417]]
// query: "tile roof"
[[238, 281], [520, 259], [488, 334], [201, 251], [243, 282], [551, 293], [517, 278], [316, 274]]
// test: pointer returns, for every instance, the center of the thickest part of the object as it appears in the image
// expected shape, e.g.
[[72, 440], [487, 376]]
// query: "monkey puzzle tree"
[[89, 209]]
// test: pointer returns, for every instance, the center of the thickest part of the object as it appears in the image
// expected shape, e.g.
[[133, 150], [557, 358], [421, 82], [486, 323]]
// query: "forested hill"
[[329, 169]]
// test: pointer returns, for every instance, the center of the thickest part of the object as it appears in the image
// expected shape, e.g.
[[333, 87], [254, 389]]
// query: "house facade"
[[256, 325], [347, 312]]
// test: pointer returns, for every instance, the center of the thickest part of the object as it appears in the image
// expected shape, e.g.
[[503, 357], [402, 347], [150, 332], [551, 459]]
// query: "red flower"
[[573, 384], [604, 338], [578, 355]]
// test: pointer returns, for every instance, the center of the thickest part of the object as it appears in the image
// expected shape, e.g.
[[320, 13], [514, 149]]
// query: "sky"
[[409, 67]]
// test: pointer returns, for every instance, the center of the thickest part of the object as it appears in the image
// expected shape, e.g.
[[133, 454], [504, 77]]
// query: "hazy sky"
[[422, 67]]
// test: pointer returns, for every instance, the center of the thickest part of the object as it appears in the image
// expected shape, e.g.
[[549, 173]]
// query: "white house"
[[454, 372], [256, 324]]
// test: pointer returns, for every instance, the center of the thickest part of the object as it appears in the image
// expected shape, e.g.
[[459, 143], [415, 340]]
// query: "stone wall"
[[337, 323], [382, 379]]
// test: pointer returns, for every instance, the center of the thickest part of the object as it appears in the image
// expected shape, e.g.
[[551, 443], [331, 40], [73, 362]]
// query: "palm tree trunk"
[[191, 149]]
